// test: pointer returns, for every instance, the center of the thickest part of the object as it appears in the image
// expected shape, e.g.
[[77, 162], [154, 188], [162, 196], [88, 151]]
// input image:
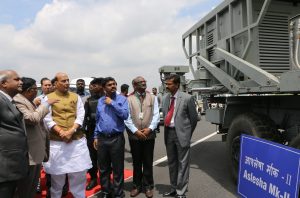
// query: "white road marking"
[[161, 160], [165, 157]]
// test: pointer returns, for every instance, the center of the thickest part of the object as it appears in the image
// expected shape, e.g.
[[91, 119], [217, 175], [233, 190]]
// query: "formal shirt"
[[79, 114], [110, 118], [172, 124], [154, 122], [42, 97]]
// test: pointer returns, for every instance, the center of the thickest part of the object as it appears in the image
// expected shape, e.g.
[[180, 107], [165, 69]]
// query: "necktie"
[[170, 112]]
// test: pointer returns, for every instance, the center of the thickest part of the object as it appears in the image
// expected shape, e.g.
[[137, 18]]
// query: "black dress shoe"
[[38, 187], [105, 195], [48, 193], [169, 194], [93, 183]]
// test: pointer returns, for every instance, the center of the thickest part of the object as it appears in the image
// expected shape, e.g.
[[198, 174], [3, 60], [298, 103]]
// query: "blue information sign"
[[268, 169]]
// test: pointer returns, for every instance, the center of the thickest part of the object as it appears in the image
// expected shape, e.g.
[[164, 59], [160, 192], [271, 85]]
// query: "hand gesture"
[[146, 131], [140, 135], [37, 101], [107, 100], [51, 101], [66, 136]]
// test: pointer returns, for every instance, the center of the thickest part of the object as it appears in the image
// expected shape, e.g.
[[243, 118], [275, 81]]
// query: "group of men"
[[89, 136]]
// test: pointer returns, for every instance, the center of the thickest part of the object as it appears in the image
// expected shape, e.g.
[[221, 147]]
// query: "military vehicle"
[[244, 56]]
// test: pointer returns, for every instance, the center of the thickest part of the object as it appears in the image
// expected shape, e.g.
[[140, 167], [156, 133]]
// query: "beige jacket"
[[37, 135]]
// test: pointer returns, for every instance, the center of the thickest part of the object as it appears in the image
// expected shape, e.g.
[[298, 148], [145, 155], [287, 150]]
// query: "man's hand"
[[140, 135], [95, 144], [66, 135], [146, 131], [37, 101], [107, 100], [51, 101]]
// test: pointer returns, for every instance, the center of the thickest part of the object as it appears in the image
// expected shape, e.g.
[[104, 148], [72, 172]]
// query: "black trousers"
[[142, 157], [7, 189], [111, 160], [93, 154]]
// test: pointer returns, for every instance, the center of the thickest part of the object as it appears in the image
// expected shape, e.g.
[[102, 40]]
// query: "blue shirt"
[[110, 118]]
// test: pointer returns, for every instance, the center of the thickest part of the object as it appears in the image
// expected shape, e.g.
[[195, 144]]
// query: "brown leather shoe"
[[134, 192], [149, 193]]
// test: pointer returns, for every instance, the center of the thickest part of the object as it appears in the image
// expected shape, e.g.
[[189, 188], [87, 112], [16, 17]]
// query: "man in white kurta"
[[68, 148]]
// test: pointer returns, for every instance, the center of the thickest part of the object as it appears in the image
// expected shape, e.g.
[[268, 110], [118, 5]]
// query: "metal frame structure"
[[243, 45]]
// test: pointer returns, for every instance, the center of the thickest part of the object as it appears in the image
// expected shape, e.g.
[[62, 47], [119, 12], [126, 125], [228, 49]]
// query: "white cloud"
[[119, 38]]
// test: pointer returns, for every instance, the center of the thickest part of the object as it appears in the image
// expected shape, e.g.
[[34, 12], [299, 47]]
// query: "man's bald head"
[[139, 84], [5, 74], [62, 82], [60, 75], [10, 82]]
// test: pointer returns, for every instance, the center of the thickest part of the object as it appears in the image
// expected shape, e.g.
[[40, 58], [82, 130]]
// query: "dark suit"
[[13, 147], [178, 139]]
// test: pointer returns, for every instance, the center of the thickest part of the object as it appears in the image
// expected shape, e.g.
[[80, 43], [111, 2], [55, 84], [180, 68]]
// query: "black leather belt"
[[109, 135]]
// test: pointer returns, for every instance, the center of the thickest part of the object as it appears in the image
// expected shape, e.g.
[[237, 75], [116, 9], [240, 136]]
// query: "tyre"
[[250, 124], [295, 143]]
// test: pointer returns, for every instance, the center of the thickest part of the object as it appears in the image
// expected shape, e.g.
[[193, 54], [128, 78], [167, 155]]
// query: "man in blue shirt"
[[112, 110]]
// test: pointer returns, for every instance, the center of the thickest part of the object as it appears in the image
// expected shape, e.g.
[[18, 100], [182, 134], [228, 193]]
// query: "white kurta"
[[68, 157]]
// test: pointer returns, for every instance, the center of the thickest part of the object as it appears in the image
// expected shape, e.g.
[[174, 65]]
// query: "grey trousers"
[[178, 162]]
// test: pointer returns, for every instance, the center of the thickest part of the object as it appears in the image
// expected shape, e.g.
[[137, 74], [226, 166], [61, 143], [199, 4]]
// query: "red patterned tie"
[[170, 112]]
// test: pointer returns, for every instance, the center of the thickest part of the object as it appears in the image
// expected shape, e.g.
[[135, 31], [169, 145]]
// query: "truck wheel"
[[295, 143], [250, 124]]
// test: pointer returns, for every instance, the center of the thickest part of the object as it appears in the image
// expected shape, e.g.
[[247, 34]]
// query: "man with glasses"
[[142, 122], [36, 135], [180, 120]]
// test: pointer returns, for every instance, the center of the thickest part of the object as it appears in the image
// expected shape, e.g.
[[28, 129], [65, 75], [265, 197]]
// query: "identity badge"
[[141, 116]]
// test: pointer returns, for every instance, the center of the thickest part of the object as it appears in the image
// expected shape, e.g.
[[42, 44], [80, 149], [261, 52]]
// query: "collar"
[[141, 94], [6, 95], [175, 95], [113, 95], [61, 94]]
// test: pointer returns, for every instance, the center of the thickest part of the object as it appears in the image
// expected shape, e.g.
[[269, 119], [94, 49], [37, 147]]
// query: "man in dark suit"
[[180, 116], [13, 142]]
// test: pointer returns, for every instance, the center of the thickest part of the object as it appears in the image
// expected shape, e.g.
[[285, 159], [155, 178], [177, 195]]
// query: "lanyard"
[[137, 96]]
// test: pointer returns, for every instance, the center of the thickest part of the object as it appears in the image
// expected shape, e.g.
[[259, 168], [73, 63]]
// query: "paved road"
[[210, 174]]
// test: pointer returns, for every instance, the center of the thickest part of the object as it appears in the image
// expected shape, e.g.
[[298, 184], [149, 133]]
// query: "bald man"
[[69, 153], [13, 142]]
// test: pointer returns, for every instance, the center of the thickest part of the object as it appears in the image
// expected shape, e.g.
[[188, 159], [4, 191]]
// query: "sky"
[[96, 38]]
